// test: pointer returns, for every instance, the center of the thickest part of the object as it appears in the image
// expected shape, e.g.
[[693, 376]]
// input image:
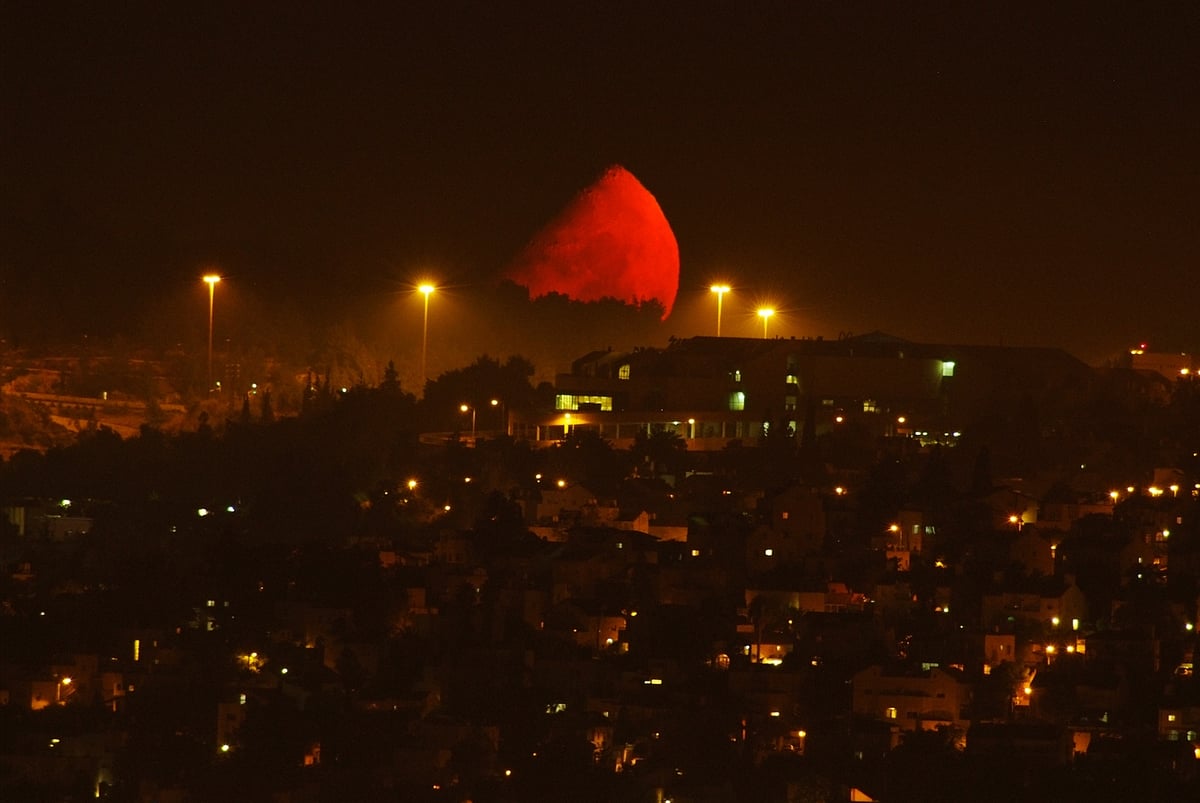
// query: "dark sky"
[[967, 172]]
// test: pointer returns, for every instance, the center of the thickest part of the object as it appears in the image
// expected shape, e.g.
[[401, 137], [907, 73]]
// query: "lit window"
[[792, 379], [623, 371], [869, 406], [737, 376], [890, 712], [737, 400], [769, 552], [948, 368]]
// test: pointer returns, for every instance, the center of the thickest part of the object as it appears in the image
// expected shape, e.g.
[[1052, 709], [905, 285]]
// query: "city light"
[[765, 313], [720, 290], [211, 280], [426, 289]]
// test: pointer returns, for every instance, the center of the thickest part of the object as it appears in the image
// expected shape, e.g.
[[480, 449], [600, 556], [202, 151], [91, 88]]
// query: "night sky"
[[973, 173]]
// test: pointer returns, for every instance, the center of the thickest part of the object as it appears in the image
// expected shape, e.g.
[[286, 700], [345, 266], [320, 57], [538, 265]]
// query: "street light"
[[471, 407], [426, 289], [211, 280], [765, 313], [464, 407], [720, 290]]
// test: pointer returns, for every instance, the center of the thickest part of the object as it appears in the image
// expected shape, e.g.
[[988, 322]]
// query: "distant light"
[[283, 671], [426, 288], [229, 509], [775, 713], [412, 484], [839, 419], [769, 552], [224, 748], [562, 483], [65, 503], [839, 490], [1054, 621], [202, 512], [1028, 690], [446, 508], [508, 773], [901, 420]]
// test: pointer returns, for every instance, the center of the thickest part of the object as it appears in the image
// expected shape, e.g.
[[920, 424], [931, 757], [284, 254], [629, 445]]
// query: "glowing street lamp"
[[464, 408], [426, 289], [765, 313], [720, 290], [211, 280]]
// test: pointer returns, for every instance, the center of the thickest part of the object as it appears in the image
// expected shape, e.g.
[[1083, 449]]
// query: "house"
[[911, 697]]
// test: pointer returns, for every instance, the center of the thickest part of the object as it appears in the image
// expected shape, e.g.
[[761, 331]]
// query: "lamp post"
[[426, 289], [464, 407], [211, 280], [720, 290], [765, 313], [471, 407]]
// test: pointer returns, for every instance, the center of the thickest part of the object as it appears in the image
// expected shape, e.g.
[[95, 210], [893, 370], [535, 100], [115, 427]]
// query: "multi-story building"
[[711, 391]]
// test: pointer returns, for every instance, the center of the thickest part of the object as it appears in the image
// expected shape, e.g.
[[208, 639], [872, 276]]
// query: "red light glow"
[[611, 241]]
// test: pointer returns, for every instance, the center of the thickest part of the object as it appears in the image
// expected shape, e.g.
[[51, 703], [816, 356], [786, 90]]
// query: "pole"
[[211, 280], [212, 292]]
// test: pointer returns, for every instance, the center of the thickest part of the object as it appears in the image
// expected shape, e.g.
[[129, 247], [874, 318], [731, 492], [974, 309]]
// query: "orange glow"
[[611, 241]]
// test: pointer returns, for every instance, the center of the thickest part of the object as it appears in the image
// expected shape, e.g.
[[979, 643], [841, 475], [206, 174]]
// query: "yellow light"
[[224, 748], [1050, 649], [765, 313], [1129, 489], [1115, 495], [901, 420], [463, 407], [212, 278], [893, 528], [65, 681], [719, 289], [1028, 690], [562, 483], [412, 484], [426, 288]]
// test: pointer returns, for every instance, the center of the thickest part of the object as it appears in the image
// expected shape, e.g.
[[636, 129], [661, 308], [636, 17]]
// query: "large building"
[[711, 391]]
